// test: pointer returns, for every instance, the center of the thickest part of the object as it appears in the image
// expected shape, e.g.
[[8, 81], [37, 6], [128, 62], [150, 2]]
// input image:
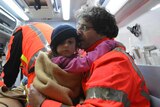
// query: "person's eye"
[[84, 27], [70, 42], [61, 43]]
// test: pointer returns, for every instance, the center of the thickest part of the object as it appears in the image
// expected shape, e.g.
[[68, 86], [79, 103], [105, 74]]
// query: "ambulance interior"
[[138, 21]]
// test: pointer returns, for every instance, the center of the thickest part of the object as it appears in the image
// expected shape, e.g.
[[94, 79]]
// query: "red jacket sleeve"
[[51, 103], [86, 103], [1, 79]]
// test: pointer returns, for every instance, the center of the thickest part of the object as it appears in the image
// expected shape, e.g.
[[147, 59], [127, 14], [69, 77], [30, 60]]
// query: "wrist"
[[42, 102]]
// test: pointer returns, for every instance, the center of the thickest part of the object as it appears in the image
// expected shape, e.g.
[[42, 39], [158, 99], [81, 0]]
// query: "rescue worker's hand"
[[35, 97]]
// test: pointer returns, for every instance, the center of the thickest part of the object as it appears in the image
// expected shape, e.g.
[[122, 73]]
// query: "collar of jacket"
[[97, 43]]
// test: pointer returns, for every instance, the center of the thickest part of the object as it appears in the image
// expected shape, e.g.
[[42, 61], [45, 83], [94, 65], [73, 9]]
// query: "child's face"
[[67, 47]]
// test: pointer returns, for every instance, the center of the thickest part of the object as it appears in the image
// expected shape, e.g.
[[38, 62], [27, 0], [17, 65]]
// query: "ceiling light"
[[17, 9], [7, 15], [155, 7], [114, 5], [65, 9]]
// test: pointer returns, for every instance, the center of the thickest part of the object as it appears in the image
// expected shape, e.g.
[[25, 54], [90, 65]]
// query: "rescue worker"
[[23, 47], [113, 80]]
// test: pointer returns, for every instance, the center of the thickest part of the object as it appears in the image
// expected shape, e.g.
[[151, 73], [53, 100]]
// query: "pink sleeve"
[[83, 64]]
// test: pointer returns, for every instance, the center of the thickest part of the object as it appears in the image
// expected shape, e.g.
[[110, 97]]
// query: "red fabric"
[[31, 44], [1, 81], [2, 75], [97, 43], [113, 70], [30, 78], [51, 103], [116, 66], [34, 44]]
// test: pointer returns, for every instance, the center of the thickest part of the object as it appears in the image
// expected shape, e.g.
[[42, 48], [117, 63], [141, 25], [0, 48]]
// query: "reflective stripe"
[[45, 43], [108, 94], [23, 58], [31, 70], [132, 62], [41, 36], [31, 62], [143, 93], [146, 95]]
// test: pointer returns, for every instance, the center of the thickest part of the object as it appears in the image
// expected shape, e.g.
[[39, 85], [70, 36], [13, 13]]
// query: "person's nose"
[[79, 32], [65, 44]]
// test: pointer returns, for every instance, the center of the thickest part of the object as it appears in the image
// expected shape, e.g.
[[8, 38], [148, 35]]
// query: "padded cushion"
[[152, 77]]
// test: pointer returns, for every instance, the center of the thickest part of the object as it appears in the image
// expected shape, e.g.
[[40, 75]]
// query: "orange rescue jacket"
[[113, 81], [35, 37]]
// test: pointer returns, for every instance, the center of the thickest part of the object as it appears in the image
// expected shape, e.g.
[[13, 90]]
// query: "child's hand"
[[49, 54]]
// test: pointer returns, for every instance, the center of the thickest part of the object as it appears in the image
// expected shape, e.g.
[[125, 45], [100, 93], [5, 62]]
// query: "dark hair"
[[103, 22]]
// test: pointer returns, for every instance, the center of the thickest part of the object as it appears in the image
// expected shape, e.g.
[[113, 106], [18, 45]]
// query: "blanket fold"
[[14, 95], [54, 82]]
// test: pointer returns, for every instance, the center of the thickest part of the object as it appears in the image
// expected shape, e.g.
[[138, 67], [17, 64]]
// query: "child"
[[60, 38], [56, 83]]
